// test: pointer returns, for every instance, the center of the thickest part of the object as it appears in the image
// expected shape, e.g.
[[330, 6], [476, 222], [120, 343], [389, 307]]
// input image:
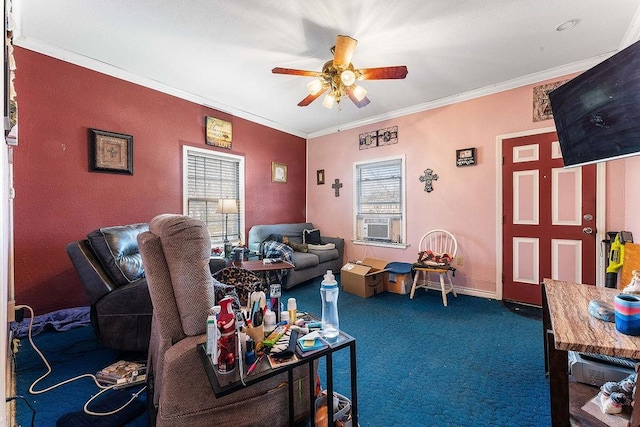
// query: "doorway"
[[548, 222]]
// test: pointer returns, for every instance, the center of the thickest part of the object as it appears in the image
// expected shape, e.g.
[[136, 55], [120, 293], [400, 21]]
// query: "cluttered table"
[[568, 326], [224, 384]]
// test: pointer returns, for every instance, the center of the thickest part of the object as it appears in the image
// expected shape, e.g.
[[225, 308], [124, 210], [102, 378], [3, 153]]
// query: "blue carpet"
[[473, 363], [70, 353]]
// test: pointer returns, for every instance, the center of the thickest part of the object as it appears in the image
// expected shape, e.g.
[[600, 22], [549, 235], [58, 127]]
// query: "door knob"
[[587, 230], [588, 217]]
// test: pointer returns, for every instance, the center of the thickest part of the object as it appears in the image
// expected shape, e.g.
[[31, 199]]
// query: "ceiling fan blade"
[[310, 98], [344, 48], [381, 73], [362, 103], [279, 70]]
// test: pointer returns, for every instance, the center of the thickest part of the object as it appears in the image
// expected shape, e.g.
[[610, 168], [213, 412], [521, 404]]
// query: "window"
[[207, 177], [379, 202]]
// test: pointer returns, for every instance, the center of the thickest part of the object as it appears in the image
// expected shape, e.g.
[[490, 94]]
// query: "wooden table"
[[259, 266], [567, 325]]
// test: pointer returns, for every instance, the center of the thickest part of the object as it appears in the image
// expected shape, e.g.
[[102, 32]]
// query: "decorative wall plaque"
[[541, 105], [378, 138], [466, 157], [218, 132]]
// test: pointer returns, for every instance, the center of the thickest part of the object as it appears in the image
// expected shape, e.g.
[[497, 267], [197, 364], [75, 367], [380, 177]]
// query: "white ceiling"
[[220, 53]]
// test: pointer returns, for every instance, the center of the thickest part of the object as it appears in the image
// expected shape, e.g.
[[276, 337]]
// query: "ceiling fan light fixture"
[[329, 100], [314, 86], [347, 77], [359, 92]]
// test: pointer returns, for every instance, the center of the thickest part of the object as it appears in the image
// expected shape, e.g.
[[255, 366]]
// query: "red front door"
[[548, 228]]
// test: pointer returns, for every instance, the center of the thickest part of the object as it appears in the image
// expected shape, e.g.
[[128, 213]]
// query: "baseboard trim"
[[475, 292], [10, 377]]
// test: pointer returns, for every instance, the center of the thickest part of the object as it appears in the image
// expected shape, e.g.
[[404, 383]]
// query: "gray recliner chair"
[[176, 252]]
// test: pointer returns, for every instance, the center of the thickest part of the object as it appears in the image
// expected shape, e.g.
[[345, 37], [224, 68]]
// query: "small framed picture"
[[278, 172], [320, 176], [466, 157], [110, 152]]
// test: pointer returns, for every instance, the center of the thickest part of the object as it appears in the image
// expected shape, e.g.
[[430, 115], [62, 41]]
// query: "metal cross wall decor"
[[337, 185], [428, 179]]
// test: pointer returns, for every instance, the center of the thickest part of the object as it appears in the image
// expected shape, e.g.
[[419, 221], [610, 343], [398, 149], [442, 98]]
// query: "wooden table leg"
[[558, 371]]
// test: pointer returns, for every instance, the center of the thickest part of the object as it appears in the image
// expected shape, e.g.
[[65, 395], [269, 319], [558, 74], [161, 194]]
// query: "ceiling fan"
[[338, 76]]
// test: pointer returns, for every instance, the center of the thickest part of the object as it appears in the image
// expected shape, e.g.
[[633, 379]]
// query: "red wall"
[[58, 200]]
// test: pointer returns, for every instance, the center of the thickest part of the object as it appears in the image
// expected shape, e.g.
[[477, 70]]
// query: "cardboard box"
[[398, 283], [364, 279]]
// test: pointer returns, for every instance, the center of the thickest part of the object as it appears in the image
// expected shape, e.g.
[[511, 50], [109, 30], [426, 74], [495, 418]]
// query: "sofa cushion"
[[325, 255], [259, 233], [117, 250], [303, 260]]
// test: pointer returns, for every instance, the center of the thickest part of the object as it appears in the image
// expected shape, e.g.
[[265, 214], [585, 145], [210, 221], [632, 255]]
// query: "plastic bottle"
[[269, 322], [292, 308], [329, 292], [227, 339]]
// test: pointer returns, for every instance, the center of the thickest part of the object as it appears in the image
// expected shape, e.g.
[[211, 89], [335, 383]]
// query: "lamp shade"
[[227, 206]]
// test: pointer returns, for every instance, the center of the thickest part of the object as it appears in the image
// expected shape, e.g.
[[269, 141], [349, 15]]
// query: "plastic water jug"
[[329, 292]]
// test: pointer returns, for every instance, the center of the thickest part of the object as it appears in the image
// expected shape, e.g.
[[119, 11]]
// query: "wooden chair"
[[439, 242]]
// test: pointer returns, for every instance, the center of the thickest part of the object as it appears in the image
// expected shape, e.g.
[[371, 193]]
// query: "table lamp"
[[226, 207]]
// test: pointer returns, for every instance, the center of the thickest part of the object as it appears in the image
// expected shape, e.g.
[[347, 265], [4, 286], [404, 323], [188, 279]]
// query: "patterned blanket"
[[273, 249]]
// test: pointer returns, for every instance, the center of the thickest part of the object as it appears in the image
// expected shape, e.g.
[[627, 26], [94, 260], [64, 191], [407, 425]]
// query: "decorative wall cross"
[[337, 186], [428, 178]]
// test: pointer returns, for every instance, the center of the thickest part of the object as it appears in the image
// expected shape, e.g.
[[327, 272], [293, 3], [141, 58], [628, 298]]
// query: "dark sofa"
[[110, 267], [308, 265]]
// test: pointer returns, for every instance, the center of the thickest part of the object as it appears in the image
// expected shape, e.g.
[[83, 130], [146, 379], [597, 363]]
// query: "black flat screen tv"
[[597, 114]]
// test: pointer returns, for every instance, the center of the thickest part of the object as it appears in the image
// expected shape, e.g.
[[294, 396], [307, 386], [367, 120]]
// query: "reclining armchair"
[[111, 271], [176, 252]]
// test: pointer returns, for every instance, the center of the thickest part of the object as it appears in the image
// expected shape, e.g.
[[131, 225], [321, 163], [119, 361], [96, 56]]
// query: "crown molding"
[[110, 70], [119, 73]]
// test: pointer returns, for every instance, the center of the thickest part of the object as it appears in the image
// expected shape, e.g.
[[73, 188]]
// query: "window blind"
[[210, 178], [379, 188]]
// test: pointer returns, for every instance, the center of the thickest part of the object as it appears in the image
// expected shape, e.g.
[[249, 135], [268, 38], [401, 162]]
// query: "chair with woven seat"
[[437, 248]]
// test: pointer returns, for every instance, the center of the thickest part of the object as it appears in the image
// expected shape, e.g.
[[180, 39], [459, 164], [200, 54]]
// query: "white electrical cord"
[[49, 370]]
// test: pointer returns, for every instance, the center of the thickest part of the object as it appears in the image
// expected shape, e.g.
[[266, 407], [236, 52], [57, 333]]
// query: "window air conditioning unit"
[[376, 228]]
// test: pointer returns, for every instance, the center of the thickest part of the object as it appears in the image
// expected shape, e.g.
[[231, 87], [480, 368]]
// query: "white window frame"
[[186, 151], [400, 222]]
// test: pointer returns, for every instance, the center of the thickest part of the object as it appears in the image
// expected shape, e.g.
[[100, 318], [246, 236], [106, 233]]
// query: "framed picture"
[[466, 157], [320, 176], [218, 132], [110, 152], [278, 172]]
